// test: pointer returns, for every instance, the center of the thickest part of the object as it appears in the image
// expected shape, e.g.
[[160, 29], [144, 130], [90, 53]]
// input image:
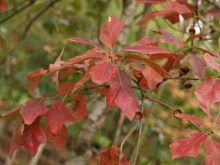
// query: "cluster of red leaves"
[[102, 66]]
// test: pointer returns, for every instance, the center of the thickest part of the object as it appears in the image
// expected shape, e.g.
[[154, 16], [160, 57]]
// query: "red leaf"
[[214, 13], [145, 45], [32, 136], [109, 156], [58, 139], [198, 65], [53, 67], [3, 6], [212, 153], [80, 107], [149, 16], [32, 109], [110, 31], [85, 78], [65, 88], [150, 1], [188, 147], [151, 63], [85, 41], [34, 78], [122, 95], [167, 37], [210, 60], [124, 162], [152, 77], [176, 7], [207, 94], [57, 116], [102, 72], [90, 54], [191, 118]]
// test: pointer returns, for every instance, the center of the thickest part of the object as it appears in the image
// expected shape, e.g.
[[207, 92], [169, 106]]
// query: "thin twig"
[[130, 132], [119, 127], [17, 11], [40, 13], [160, 102]]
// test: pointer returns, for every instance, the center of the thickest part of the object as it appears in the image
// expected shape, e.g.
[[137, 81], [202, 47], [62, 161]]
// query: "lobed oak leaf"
[[79, 107], [85, 41], [207, 94], [109, 156], [212, 153], [58, 139], [110, 30], [34, 78], [122, 95], [210, 60], [32, 109], [191, 118], [152, 77], [57, 116], [188, 147], [198, 65], [32, 136], [102, 71]]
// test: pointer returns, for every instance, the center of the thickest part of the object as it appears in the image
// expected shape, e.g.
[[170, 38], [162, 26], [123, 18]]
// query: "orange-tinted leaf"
[[212, 153], [34, 78], [208, 94], [102, 72], [32, 109], [191, 118], [32, 136], [188, 147], [65, 88], [109, 156], [210, 60], [57, 116], [79, 107], [122, 95], [110, 31], [84, 41], [58, 139], [152, 77], [198, 65]]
